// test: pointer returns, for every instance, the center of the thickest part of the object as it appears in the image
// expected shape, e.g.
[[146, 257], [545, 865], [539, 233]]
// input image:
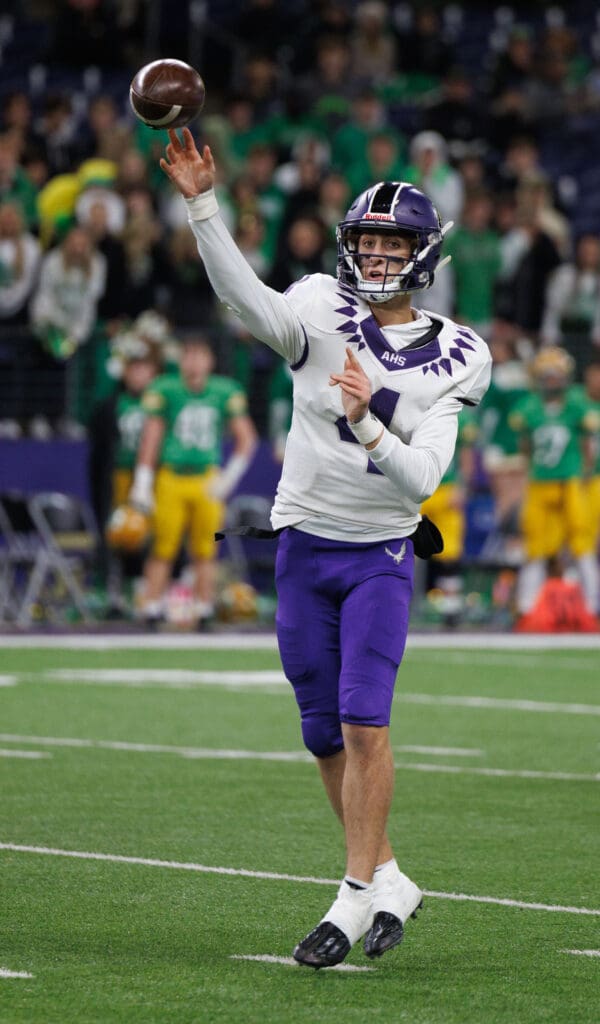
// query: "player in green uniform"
[[556, 426], [591, 389], [504, 463], [446, 508], [188, 415]]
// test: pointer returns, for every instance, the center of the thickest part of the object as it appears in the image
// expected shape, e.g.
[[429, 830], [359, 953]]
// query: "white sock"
[[587, 566], [151, 609], [351, 911], [531, 578], [203, 609], [394, 892]]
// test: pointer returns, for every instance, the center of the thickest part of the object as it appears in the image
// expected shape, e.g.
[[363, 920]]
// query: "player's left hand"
[[356, 388]]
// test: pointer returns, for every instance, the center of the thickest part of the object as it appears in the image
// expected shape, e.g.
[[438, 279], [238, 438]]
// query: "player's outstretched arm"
[[265, 312], [190, 171]]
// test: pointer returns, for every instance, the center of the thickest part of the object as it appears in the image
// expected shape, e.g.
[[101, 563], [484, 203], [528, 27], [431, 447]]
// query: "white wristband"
[[366, 430], [143, 477], [142, 488], [203, 206]]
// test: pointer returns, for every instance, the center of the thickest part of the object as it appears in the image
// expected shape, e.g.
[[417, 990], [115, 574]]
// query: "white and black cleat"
[[325, 946], [386, 932]]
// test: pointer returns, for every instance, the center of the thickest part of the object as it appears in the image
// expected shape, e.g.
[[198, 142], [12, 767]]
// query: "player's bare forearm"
[[190, 171], [244, 436], [151, 442]]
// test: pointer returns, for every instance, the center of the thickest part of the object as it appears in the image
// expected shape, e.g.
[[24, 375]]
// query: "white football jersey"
[[422, 374]]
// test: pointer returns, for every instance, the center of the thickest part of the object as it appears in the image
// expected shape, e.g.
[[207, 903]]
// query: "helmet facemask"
[[394, 269], [401, 209]]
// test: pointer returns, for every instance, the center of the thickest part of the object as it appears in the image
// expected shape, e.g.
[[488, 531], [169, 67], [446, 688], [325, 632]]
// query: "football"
[[167, 94]]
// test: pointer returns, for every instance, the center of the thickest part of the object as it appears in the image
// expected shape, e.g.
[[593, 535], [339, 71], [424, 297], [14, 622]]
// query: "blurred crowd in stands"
[[494, 112]]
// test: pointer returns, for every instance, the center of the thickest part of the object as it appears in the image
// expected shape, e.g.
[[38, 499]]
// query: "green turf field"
[[155, 755]]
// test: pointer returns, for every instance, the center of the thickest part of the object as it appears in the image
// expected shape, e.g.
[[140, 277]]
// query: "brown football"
[[167, 93]]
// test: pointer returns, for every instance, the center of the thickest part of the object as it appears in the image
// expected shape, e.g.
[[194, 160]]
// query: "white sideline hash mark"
[[582, 952], [150, 862], [291, 757], [290, 962], [5, 973], [30, 755], [8, 680]]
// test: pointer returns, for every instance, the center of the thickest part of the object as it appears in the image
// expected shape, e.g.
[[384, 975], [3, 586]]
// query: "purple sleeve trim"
[[304, 356], [294, 284]]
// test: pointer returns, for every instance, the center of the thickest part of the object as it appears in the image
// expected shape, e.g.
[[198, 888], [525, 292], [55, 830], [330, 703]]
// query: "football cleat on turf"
[[395, 899], [386, 932], [325, 946]]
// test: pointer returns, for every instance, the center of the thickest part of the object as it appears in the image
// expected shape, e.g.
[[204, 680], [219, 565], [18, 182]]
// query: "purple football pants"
[[342, 619]]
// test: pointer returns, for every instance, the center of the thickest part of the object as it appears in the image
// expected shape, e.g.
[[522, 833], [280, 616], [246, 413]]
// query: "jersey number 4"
[[383, 405]]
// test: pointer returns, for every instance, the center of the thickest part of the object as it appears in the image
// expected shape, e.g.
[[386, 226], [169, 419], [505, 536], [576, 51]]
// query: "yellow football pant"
[[184, 506], [556, 513], [121, 486], [444, 508], [592, 488]]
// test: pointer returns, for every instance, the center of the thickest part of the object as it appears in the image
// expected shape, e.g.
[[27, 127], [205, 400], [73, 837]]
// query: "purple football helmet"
[[399, 207]]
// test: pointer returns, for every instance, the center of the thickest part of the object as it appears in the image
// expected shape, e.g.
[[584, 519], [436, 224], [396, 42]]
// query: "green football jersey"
[[554, 431], [130, 423], [195, 422], [468, 431], [592, 426], [509, 385], [594, 422]]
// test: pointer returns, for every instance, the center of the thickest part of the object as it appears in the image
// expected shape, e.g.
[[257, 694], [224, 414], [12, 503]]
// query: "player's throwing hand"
[[189, 171], [356, 387]]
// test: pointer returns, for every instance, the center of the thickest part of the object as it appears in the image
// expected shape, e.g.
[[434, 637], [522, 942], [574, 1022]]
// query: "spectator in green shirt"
[[475, 249]]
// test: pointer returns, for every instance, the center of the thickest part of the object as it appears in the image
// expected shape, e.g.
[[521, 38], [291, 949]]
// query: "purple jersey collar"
[[423, 350]]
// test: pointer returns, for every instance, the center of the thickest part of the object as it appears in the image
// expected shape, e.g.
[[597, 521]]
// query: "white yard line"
[[5, 973], [510, 659], [289, 756], [268, 641], [8, 680], [289, 961], [202, 753], [273, 876], [30, 755], [499, 773], [187, 678], [162, 677], [437, 751], [582, 952], [499, 703]]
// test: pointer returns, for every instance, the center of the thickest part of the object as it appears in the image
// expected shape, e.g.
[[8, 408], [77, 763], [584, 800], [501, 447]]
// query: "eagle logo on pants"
[[397, 555]]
